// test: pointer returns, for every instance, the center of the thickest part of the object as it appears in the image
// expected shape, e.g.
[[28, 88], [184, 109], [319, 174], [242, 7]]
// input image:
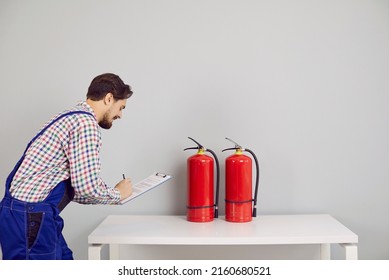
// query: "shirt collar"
[[85, 107]]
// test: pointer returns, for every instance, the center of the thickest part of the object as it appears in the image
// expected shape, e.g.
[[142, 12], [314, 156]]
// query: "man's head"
[[107, 94]]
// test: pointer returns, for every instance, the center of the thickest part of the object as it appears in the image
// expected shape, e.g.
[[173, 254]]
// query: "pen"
[[124, 177]]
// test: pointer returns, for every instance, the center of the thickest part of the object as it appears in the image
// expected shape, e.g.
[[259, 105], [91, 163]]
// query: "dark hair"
[[105, 83]]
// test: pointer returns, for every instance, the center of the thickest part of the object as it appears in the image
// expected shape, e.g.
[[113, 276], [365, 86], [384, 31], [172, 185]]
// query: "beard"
[[106, 123]]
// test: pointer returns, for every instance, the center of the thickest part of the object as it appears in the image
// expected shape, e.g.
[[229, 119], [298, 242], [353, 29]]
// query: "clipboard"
[[147, 184]]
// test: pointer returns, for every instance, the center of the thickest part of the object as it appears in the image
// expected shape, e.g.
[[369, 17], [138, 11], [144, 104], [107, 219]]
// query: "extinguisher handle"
[[191, 148], [228, 149], [256, 181], [198, 144], [217, 182]]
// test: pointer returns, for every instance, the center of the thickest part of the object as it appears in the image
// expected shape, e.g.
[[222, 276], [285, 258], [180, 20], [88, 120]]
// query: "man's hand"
[[125, 188]]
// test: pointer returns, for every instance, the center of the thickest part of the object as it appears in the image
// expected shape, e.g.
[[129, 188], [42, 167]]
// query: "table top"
[[265, 229]]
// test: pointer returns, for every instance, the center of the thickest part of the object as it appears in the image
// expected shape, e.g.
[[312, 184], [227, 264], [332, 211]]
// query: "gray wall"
[[302, 83]]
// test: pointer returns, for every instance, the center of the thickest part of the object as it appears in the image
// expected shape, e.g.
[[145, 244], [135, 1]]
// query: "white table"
[[321, 229]]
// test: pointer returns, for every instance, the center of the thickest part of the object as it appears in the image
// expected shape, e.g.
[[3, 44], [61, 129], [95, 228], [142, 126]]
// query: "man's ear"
[[108, 99]]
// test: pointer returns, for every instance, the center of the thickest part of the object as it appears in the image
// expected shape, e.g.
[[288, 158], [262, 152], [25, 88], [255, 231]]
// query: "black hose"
[[256, 182], [217, 183]]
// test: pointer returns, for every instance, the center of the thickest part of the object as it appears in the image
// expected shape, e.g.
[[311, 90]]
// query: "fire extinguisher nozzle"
[[254, 212]]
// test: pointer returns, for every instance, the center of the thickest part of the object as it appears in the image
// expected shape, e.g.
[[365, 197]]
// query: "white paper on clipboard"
[[147, 184]]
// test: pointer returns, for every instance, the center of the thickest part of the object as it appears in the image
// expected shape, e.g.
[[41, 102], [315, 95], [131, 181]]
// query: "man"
[[61, 164]]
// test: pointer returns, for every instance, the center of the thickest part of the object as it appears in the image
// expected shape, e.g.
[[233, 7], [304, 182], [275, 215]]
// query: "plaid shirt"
[[68, 149]]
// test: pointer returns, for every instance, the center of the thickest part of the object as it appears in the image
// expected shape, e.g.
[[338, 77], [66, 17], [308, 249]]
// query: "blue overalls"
[[31, 231]]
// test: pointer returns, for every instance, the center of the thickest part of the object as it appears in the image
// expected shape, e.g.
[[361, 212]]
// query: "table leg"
[[114, 253], [94, 251], [351, 251], [325, 251]]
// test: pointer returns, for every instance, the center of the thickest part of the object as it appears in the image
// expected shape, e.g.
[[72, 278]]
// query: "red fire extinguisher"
[[241, 206], [201, 206]]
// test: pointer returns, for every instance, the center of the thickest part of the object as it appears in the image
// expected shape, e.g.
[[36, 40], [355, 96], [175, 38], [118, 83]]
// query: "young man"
[[61, 164]]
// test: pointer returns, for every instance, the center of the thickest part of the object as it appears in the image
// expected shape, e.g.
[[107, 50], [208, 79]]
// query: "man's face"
[[113, 112]]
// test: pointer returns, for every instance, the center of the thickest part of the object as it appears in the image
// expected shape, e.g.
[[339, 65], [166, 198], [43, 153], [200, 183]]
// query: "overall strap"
[[52, 122], [13, 172]]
